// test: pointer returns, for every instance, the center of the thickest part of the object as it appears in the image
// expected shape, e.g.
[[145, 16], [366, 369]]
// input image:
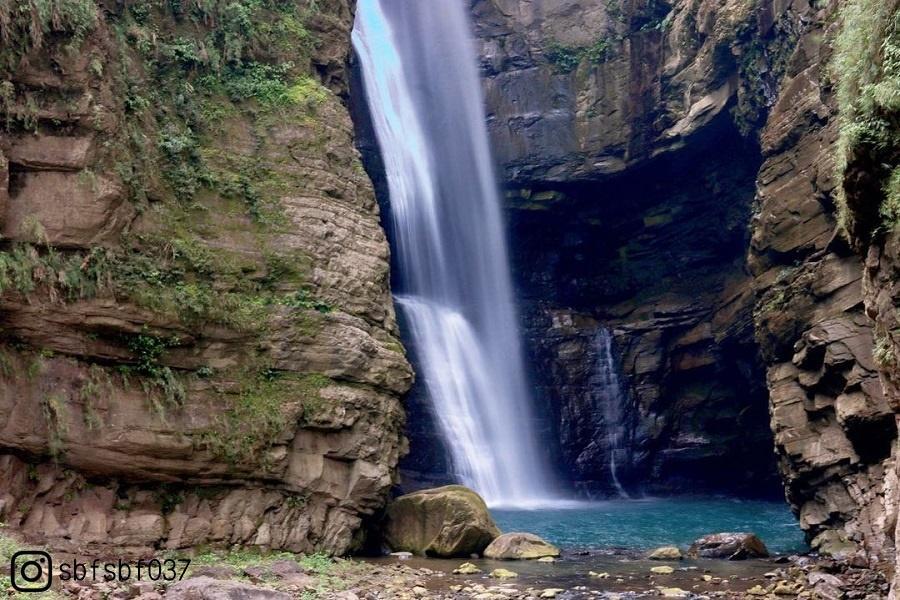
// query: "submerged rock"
[[443, 522], [662, 570], [674, 592], [666, 553], [520, 546], [731, 546]]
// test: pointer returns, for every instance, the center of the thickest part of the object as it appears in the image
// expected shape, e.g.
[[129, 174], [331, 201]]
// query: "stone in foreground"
[[520, 546], [206, 588], [449, 521], [466, 569], [731, 546], [503, 574], [666, 553]]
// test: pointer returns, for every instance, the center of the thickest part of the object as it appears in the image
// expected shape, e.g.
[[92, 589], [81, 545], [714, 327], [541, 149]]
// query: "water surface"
[[643, 524]]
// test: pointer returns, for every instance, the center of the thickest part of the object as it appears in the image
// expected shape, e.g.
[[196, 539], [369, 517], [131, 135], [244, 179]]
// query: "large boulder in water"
[[733, 546], [446, 521], [519, 546]]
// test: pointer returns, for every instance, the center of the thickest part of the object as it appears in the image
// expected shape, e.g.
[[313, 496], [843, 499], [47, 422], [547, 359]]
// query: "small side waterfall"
[[612, 398], [424, 95]]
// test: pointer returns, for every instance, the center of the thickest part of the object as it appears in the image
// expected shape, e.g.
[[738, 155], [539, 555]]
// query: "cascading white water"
[[612, 398], [424, 95]]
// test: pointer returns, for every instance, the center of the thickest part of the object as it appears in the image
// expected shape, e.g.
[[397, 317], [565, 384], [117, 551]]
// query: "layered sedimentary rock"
[[588, 102], [868, 192], [834, 429], [584, 119], [198, 339], [661, 266]]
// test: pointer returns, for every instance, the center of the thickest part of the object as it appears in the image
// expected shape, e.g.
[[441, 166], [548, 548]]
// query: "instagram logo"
[[31, 571]]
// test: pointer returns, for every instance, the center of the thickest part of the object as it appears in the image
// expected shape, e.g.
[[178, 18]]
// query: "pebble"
[[551, 592]]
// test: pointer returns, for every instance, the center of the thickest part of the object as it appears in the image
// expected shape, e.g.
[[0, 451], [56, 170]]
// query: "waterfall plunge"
[[423, 91]]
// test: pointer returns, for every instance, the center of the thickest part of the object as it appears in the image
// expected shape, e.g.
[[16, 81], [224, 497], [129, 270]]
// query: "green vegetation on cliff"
[[195, 90], [866, 68], [567, 58], [24, 25], [258, 413]]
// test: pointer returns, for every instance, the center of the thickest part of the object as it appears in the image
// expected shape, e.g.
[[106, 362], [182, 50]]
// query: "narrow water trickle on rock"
[[612, 406], [455, 291]]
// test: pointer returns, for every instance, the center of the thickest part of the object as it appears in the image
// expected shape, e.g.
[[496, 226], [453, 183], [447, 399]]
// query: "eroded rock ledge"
[[198, 339]]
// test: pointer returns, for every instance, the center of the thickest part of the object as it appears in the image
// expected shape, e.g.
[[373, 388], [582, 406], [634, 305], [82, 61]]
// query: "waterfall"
[[612, 403], [423, 91]]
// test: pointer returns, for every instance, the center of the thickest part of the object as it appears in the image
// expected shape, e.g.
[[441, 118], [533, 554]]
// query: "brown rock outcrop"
[[198, 339], [834, 430]]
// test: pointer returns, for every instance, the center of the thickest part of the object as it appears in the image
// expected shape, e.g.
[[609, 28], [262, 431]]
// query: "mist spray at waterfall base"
[[424, 96]]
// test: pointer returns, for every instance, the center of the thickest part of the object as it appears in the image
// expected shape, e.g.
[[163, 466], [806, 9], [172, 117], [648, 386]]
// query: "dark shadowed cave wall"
[[656, 254]]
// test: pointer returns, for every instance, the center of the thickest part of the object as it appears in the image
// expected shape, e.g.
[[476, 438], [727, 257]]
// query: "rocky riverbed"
[[603, 575]]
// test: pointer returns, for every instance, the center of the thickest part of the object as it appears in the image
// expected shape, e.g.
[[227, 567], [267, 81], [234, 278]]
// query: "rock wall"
[[868, 148], [587, 103], [585, 97], [661, 264], [198, 339], [834, 429]]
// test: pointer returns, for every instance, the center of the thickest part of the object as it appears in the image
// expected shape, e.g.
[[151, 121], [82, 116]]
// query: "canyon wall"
[[198, 339], [730, 107], [624, 131]]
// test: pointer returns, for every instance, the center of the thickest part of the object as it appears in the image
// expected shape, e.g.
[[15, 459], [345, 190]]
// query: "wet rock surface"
[[730, 546]]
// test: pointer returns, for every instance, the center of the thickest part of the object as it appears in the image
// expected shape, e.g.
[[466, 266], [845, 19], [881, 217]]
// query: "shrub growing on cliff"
[[257, 414], [866, 68], [24, 24], [567, 58]]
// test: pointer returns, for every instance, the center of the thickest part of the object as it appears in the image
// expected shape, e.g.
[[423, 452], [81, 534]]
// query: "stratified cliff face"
[[866, 83], [619, 126], [588, 102], [198, 339], [834, 428]]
